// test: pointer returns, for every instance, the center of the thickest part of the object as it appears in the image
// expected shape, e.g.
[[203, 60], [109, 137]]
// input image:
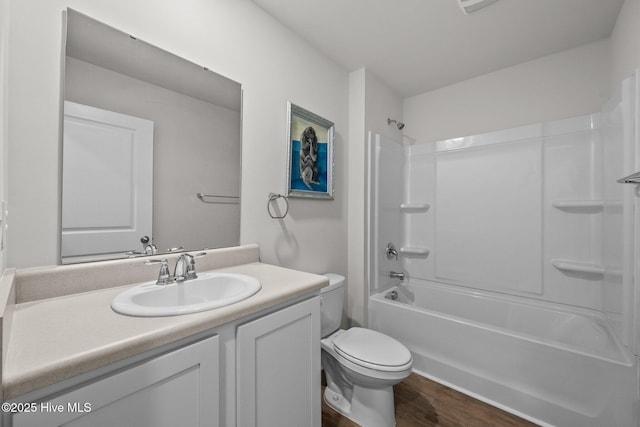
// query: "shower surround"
[[518, 253]]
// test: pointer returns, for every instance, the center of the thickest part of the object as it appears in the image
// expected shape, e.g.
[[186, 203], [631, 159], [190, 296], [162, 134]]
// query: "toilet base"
[[368, 407]]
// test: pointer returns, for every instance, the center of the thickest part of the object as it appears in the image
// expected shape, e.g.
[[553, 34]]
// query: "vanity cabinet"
[[180, 388], [278, 368], [262, 370]]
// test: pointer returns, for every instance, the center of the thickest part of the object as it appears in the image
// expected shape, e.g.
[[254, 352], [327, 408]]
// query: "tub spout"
[[396, 275]]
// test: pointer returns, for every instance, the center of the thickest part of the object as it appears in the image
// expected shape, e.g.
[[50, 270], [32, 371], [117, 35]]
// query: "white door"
[[107, 183]]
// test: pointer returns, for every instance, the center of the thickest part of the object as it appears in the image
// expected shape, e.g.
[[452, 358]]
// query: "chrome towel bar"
[[224, 200]]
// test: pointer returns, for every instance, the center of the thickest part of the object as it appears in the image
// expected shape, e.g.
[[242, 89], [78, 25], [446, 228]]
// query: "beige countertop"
[[57, 338]]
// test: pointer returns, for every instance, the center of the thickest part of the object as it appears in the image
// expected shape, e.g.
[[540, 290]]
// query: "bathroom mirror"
[[151, 148]]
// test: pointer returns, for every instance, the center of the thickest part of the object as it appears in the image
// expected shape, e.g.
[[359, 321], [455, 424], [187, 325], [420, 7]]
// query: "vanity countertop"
[[57, 338]]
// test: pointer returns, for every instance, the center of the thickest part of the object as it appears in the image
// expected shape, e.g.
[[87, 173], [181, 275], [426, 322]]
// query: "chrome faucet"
[[180, 271], [396, 275], [186, 267]]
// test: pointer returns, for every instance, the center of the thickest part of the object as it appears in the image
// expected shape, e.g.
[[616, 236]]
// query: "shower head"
[[398, 124], [470, 6]]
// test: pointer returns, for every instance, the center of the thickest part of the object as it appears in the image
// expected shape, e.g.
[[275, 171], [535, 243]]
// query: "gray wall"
[[196, 150]]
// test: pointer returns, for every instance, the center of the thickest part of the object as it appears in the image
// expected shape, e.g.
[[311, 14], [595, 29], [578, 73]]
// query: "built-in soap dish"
[[415, 252], [414, 207], [579, 206], [587, 270]]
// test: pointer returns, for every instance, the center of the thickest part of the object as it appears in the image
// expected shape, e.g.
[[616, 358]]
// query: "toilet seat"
[[372, 350]]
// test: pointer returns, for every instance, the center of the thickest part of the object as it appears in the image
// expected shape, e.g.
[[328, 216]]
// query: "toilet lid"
[[372, 349]]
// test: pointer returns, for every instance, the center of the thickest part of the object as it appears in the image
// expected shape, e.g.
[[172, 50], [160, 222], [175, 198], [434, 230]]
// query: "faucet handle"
[[151, 249], [391, 251], [164, 277], [134, 254], [191, 265]]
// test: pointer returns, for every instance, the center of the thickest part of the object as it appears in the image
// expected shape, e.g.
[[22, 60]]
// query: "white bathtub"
[[551, 366]]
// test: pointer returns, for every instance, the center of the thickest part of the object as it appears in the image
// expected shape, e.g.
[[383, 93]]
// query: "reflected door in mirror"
[[107, 183]]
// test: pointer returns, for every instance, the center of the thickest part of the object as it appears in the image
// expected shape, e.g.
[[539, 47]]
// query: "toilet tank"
[[332, 300]]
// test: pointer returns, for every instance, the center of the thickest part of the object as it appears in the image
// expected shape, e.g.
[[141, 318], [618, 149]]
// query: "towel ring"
[[273, 197]]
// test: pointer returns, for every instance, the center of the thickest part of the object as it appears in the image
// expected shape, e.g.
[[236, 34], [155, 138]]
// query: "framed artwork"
[[310, 154]]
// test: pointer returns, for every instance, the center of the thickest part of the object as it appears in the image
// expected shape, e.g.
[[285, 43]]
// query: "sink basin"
[[208, 291]]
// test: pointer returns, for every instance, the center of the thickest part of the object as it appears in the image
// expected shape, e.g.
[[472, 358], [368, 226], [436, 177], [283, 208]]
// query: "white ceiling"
[[420, 45]]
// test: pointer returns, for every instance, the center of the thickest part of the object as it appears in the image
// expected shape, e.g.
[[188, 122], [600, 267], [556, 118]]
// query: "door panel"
[[107, 182]]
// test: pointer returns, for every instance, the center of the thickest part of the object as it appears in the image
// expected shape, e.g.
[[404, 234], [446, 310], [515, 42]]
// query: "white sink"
[[208, 291]]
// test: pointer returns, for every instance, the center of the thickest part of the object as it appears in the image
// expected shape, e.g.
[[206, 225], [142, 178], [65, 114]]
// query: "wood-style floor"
[[421, 402]]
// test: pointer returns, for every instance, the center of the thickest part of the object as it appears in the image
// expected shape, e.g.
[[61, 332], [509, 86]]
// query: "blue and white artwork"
[[311, 155], [307, 173]]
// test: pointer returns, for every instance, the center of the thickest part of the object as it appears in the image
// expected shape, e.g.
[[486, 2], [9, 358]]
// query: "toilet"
[[361, 365]]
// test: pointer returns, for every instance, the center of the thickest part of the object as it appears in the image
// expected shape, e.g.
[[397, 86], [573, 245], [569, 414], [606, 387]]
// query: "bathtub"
[[545, 363]]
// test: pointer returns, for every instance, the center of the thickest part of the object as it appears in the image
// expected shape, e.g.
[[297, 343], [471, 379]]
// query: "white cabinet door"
[[278, 363], [180, 388], [107, 182]]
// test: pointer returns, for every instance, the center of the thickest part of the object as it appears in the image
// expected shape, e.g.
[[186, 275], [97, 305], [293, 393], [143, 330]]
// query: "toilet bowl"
[[361, 365]]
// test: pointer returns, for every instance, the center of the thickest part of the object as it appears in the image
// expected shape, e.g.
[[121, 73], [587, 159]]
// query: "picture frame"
[[310, 154]]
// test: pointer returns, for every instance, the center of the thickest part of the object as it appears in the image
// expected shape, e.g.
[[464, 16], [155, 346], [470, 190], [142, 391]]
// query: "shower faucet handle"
[[391, 251]]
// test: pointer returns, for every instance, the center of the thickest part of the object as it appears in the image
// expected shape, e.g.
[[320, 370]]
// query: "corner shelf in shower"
[[579, 206], [414, 207], [415, 252], [567, 266]]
